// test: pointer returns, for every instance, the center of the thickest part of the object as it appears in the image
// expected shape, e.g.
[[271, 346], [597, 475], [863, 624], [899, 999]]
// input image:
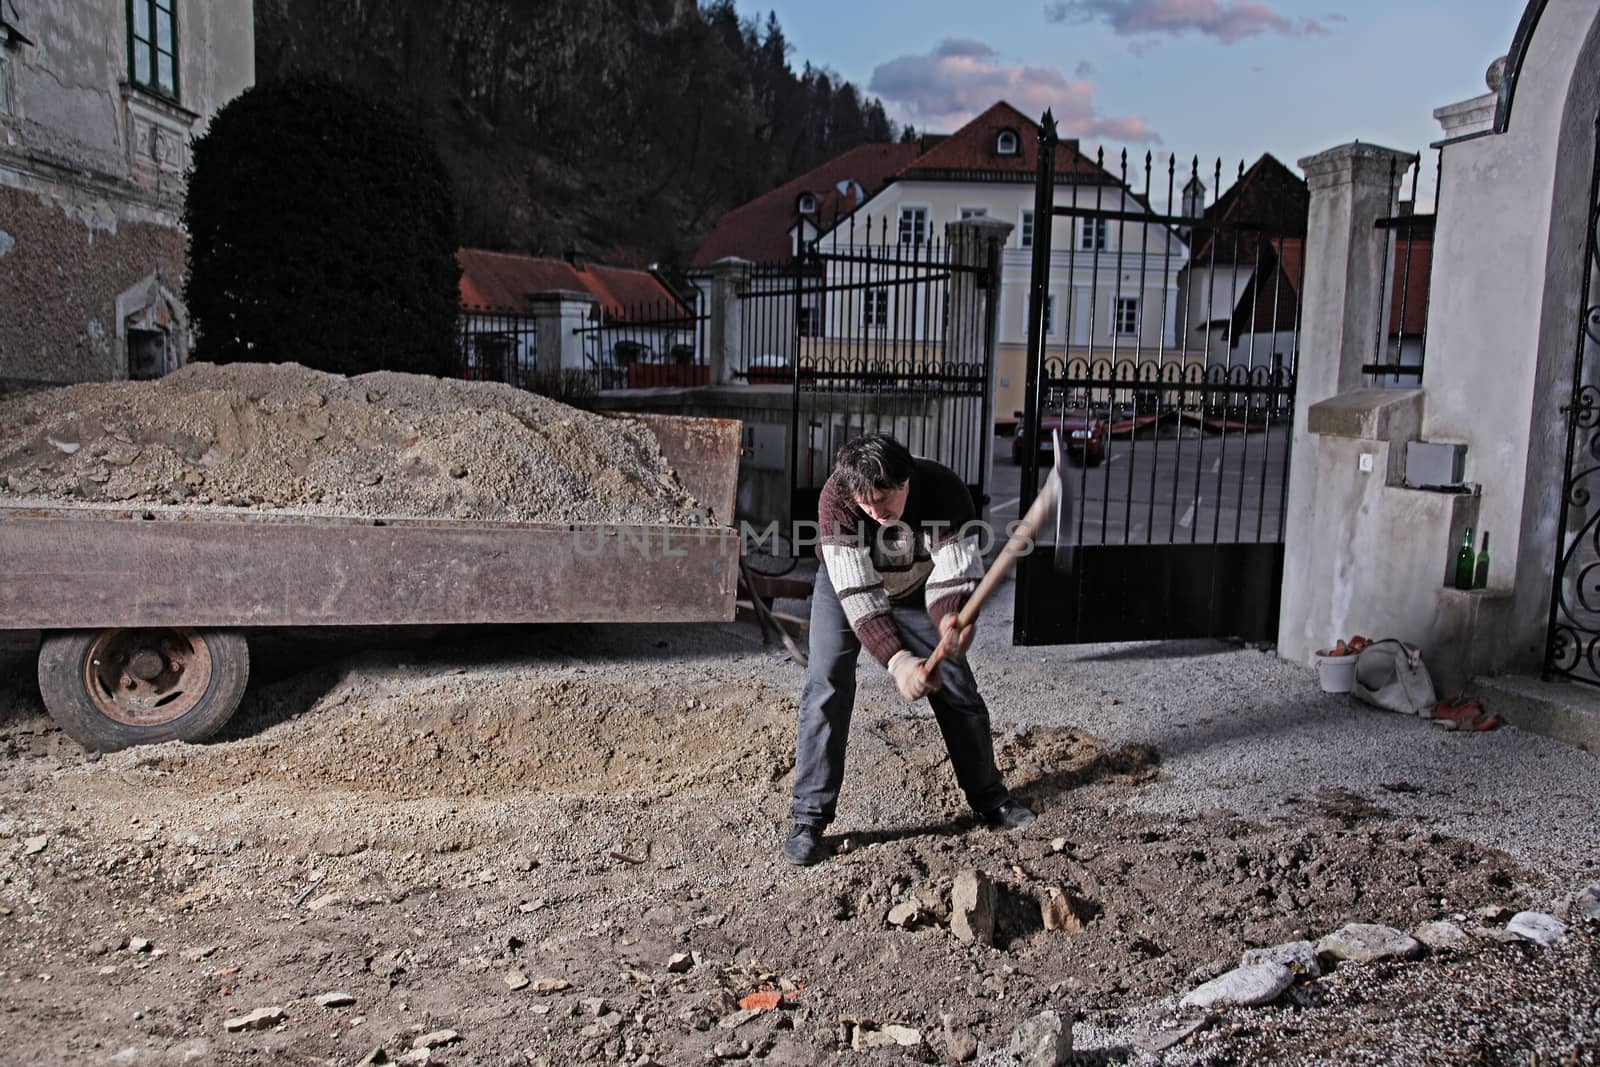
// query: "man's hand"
[[908, 676], [955, 637]]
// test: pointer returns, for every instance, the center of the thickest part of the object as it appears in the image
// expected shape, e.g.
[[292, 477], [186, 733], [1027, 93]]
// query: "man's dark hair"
[[872, 461]]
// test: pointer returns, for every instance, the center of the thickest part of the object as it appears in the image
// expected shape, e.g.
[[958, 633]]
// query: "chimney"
[[575, 255]]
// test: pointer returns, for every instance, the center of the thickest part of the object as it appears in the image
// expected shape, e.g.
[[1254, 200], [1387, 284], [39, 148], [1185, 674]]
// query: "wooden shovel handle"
[[1020, 541]]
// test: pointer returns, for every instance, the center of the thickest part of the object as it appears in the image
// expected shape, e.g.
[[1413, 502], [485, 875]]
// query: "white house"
[[1113, 283], [99, 100]]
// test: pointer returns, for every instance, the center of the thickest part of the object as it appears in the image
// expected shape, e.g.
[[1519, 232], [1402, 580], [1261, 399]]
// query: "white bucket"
[[1336, 674]]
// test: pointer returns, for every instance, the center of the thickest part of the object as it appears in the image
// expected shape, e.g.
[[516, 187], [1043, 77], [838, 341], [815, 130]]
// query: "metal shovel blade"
[[1066, 529]]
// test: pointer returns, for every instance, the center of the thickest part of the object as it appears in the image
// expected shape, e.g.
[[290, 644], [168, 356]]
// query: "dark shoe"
[[1008, 816], [804, 845]]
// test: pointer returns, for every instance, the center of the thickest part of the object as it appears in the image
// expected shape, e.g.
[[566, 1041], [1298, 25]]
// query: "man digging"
[[895, 573]]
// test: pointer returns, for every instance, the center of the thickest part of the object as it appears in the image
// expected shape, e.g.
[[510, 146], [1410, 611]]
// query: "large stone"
[[1299, 956], [972, 905], [260, 1019], [1369, 942], [1043, 1041], [905, 913], [1588, 902], [1242, 987], [1442, 935], [1058, 913], [1538, 927]]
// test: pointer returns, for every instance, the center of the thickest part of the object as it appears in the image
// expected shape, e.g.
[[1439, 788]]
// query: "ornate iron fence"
[[1572, 644]]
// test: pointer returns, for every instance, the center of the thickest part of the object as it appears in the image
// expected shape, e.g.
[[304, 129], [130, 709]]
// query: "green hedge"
[[322, 231]]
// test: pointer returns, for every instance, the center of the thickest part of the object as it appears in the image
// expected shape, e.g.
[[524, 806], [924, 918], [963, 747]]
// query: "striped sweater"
[[872, 566]]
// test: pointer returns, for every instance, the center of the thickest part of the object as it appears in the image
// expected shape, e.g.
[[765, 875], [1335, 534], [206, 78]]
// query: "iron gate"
[[1170, 373], [1572, 644], [879, 331]]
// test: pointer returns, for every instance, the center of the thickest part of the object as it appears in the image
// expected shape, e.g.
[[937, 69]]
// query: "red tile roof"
[[759, 230], [503, 281], [971, 151], [1269, 194]]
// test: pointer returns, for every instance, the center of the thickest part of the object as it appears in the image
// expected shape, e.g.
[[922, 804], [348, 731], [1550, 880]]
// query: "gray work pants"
[[829, 697]]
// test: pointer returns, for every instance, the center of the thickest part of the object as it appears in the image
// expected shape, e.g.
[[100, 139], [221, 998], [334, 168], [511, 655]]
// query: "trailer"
[[146, 612]]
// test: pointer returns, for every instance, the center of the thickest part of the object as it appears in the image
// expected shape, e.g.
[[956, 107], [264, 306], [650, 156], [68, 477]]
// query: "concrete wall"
[[1364, 553], [91, 182]]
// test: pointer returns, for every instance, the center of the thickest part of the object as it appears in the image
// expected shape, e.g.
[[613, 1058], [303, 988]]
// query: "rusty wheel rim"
[[147, 677]]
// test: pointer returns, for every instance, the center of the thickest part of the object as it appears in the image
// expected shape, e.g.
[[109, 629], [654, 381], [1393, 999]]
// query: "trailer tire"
[[109, 689]]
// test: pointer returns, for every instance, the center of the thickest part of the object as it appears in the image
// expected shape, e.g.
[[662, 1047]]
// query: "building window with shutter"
[[1127, 315], [875, 309], [1025, 231], [153, 46], [1093, 235], [913, 225], [1050, 315]]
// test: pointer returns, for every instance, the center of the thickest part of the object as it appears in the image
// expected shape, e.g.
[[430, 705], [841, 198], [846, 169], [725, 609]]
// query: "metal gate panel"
[[1176, 421], [901, 342]]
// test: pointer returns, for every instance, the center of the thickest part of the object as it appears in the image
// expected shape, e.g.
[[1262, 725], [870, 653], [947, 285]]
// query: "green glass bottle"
[[1480, 574], [1464, 562]]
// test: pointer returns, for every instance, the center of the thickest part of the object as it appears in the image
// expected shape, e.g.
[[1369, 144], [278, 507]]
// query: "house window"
[[875, 309], [1005, 144], [913, 225], [974, 213], [5, 80], [1093, 235], [1050, 315], [809, 323], [1127, 315], [1025, 231], [148, 354], [153, 46], [807, 204]]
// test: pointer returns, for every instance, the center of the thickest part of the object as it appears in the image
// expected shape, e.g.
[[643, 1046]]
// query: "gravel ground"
[[422, 822]]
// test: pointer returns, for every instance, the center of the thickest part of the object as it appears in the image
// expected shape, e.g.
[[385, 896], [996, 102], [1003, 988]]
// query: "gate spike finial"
[[1047, 128]]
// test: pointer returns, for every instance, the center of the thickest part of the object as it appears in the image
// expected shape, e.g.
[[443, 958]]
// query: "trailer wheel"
[[109, 689]]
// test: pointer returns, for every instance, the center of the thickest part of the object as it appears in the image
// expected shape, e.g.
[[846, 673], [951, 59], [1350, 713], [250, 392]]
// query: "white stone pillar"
[[724, 335], [557, 315], [1342, 303], [1347, 263]]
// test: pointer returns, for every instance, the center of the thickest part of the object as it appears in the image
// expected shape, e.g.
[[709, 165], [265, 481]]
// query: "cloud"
[[1228, 21], [960, 78], [1085, 69]]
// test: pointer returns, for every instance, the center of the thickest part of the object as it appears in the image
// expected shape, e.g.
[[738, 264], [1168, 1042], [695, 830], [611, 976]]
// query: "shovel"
[[1052, 508]]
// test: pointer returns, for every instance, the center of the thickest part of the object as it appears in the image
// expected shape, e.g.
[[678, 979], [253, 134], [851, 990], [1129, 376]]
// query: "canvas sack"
[[1390, 674]]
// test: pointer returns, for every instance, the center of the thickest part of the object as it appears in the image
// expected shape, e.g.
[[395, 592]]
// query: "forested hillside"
[[627, 125]]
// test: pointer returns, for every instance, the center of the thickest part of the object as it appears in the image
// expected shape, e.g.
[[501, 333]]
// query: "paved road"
[[1185, 486]]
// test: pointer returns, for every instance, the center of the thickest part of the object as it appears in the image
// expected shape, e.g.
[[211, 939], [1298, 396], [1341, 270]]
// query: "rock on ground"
[[1043, 1041], [972, 904], [1257, 983], [1367, 943]]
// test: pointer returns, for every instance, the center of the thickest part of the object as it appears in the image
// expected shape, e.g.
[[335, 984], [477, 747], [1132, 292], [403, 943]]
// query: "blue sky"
[[1213, 78]]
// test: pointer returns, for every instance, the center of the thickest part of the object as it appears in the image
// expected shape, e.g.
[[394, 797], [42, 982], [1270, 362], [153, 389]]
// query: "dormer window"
[[1006, 143], [806, 205]]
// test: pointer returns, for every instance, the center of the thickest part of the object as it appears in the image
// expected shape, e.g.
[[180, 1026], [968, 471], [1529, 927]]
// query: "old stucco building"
[[99, 100]]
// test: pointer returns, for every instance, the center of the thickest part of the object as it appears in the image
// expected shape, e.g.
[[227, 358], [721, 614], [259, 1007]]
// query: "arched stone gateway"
[[1512, 261]]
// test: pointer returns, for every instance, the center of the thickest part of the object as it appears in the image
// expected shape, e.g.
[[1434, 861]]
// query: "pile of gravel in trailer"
[[283, 437]]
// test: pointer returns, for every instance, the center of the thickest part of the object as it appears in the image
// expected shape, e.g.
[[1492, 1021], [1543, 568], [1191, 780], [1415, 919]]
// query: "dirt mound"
[[499, 736], [282, 437]]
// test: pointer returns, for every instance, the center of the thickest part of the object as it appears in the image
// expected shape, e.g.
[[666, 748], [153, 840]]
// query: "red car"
[[1084, 434]]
